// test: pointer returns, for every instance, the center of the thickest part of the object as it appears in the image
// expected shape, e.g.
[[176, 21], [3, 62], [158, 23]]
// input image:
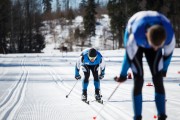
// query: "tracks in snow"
[[109, 112], [15, 96]]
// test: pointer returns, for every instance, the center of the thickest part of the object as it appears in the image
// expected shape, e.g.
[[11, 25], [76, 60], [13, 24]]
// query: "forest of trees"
[[21, 20], [121, 10]]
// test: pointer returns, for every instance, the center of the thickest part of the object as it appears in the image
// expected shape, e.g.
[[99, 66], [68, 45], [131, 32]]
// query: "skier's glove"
[[164, 73], [120, 79], [101, 76], [78, 77]]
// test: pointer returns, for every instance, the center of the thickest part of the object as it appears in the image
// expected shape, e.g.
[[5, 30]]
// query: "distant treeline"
[[21, 20]]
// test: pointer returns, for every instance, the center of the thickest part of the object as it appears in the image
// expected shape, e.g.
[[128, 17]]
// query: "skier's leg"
[[137, 69], [162, 117], [84, 95], [159, 95], [137, 96], [154, 59], [85, 81], [94, 70]]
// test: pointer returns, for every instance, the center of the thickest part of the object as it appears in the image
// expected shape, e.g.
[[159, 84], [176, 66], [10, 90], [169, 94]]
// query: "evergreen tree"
[[26, 22], [119, 12], [83, 4], [38, 43], [82, 7], [58, 6], [18, 26], [177, 12], [67, 5], [89, 18], [5, 8], [118, 19], [47, 6], [154, 5], [70, 15], [131, 7]]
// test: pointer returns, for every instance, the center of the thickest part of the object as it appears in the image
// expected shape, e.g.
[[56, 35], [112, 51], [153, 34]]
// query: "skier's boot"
[[162, 117], [84, 95], [97, 95], [138, 118]]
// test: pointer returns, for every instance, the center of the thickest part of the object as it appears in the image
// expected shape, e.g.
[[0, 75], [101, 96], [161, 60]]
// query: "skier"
[[148, 32], [90, 60]]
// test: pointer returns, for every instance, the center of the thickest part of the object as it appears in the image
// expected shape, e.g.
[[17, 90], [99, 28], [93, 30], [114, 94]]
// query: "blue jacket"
[[135, 36], [84, 60]]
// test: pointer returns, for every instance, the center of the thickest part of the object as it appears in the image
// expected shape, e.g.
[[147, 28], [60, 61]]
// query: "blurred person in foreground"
[[149, 33], [90, 60]]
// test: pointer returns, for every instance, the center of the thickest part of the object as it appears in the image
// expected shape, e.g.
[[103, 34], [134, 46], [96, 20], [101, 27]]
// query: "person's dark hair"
[[92, 52], [157, 34]]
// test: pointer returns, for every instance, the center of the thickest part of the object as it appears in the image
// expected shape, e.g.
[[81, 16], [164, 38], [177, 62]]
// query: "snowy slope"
[[57, 34]]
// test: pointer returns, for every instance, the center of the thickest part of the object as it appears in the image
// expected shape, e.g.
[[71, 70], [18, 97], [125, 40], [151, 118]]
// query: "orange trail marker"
[[94, 118], [129, 76], [149, 84]]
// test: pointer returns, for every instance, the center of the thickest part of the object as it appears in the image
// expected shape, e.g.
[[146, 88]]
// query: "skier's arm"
[[168, 51], [78, 65], [125, 67], [125, 64], [102, 67]]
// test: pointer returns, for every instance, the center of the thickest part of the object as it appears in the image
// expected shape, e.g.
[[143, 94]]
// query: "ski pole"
[[108, 99], [71, 89]]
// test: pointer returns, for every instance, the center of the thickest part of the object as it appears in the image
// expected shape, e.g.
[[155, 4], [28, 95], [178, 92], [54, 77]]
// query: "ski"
[[86, 101], [99, 101]]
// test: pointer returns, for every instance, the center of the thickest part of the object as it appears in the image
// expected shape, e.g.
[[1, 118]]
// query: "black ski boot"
[[138, 118], [97, 95], [84, 95], [162, 117]]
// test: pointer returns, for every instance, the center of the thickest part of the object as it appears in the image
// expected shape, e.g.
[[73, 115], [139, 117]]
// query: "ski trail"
[[76, 93], [12, 87], [9, 95], [58, 79], [15, 98]]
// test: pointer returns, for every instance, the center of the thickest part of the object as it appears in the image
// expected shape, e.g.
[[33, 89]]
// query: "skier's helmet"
[[92, 54]]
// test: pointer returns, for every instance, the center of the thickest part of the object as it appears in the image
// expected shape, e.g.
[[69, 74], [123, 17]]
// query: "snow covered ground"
[[34, 87]]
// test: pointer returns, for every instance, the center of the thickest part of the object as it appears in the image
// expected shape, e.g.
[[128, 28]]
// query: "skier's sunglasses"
[[92, 58]]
